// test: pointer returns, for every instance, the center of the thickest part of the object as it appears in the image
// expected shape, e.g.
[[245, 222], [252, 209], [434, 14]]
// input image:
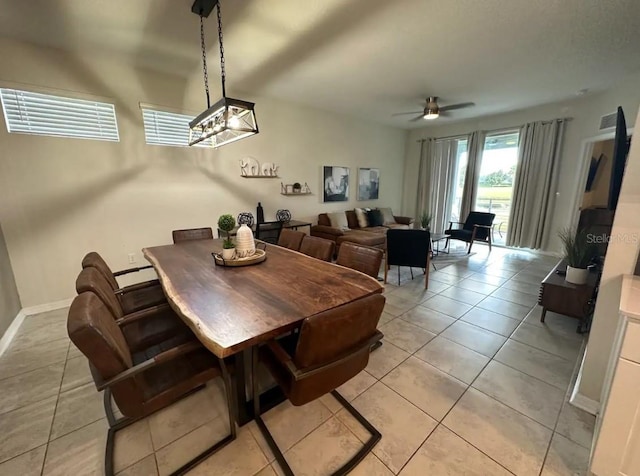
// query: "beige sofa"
[[369, 236]]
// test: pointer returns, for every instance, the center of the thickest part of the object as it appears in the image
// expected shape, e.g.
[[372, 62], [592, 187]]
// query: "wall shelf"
[[259, 176], [292, 194]]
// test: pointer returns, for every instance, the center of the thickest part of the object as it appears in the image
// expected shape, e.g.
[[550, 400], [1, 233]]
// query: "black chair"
[[331, 348], [477, 227], [409, 248], [269, 231]]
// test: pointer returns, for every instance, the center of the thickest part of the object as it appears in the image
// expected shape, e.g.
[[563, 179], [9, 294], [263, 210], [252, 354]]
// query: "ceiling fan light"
[[430, 115]]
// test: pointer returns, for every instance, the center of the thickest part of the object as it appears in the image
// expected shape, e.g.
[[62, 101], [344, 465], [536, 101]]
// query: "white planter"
[[228, 253], [576, 275]]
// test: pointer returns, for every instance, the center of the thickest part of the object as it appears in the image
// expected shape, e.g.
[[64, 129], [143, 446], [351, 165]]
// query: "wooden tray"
[[258, 257]]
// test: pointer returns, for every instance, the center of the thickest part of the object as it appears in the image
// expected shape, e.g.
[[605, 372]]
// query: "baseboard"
[[50, 306], [11, 332], [584, 403]]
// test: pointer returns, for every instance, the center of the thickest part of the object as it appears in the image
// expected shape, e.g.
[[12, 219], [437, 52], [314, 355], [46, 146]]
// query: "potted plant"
[[227, 223], [425, 220], [578, 252], [297, 187]]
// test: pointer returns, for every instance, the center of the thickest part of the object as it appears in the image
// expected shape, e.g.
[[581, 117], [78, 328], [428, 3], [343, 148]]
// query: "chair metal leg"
[[286, 469], [116, 425], [411, 269], [398, 275]]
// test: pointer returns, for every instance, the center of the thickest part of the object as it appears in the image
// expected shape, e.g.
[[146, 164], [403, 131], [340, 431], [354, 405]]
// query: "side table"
[[573, 300]]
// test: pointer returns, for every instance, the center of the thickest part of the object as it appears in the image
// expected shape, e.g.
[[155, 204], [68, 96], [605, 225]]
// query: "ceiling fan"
[[433, 111]]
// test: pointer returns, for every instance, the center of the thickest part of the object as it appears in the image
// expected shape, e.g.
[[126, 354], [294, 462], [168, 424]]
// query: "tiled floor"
[[468, 381]]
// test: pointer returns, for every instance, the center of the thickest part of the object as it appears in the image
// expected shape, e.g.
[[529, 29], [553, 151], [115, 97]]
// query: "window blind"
[[168, 128], [44, 114]]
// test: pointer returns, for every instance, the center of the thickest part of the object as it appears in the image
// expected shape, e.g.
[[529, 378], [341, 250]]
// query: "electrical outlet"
[[132, 258]]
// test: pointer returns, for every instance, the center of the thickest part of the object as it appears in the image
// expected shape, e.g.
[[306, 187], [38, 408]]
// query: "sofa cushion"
[[361, 215], [352, 219], [375, 218], [338, 220], [398, 226], [387, 216]]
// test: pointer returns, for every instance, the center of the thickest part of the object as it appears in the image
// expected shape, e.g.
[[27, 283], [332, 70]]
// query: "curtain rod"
[[563, 119]]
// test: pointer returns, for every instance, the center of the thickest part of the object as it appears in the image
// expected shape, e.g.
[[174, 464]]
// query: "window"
[[44, 114], [497, 174], [168, 128]]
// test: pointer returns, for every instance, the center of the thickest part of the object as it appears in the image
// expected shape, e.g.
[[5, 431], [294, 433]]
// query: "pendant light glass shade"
[[226, 121]]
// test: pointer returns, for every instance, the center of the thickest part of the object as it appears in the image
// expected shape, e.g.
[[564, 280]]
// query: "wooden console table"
[[558, 295]]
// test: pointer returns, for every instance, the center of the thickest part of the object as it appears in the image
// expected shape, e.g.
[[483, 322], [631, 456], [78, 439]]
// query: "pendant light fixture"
[[228, 120]]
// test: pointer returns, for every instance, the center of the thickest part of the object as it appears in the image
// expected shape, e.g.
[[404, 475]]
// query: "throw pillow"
[[338, 220], [375, 218], [361, 215], [387, 216]]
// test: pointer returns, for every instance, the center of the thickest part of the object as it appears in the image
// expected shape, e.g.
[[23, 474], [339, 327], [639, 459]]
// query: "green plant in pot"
[[297, 188], [227, 223], [578, 252], [425, 220]]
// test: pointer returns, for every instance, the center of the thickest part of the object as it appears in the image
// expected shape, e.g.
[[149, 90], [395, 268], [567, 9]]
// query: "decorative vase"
[[228, 253], [283, 215], [576, 275], [245, 246]]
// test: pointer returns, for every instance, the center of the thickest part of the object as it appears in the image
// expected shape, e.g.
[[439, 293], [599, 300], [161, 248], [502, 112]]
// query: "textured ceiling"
[[364, 58]]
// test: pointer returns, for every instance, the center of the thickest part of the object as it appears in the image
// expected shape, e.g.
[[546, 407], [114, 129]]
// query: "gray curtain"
[[475, 145], [423, 196], [443, 169], [535, 183]]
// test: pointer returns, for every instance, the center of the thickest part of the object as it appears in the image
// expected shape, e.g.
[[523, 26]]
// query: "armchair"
[[331, 348], [145, 381], [133, 297], [477, 227]]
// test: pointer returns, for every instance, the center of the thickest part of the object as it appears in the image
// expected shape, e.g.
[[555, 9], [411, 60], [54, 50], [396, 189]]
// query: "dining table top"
[[233, 308]]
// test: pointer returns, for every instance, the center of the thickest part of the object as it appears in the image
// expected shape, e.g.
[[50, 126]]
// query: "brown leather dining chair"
[[365, 259], [133, 297], [141, 381], [331, 348], [318, 248], [141, 328], [291, 239], [190, 234]]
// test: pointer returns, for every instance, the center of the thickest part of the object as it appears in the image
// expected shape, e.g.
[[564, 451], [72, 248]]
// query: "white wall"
[[622, 255], [9, 299], [585, 111], [63, 197]]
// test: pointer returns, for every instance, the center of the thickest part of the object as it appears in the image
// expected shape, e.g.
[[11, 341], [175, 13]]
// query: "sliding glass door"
[[497, 173]]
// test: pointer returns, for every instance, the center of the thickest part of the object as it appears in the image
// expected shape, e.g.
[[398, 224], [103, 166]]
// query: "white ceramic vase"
[[245, 246], [576, 275], [228, 253]]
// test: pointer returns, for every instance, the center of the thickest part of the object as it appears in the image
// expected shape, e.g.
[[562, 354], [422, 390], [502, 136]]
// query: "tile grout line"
[[55, 409], [465, 391]]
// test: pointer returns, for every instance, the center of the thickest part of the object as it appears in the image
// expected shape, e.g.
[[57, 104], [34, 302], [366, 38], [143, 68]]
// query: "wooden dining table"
[[233, 309]]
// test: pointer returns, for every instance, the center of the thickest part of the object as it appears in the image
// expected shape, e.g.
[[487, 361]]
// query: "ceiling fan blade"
[[405, 113], [453, 107], [417, 118]]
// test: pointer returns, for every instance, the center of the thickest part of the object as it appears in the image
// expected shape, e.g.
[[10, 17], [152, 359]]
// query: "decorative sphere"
[[245, 218], [283, 215]]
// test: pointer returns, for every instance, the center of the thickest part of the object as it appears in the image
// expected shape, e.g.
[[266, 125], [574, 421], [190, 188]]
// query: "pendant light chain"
[[204, 61], [223, 74]]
